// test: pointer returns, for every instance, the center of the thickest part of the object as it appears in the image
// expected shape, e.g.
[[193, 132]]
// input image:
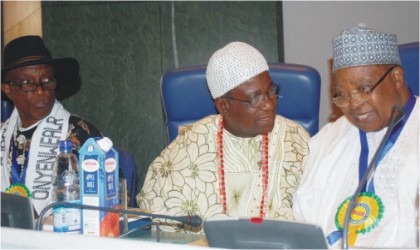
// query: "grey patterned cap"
[[362, 46], [233, 65]]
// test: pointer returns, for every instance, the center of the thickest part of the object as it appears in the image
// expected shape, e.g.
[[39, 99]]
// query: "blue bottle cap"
[[66, 146]]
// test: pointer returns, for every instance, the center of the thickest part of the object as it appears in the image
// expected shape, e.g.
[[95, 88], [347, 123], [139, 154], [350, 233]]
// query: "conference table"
[[142, 239], [13, 238]]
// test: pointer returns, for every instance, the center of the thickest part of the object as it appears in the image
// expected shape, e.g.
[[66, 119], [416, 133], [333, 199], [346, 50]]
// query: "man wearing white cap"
[[368, 81], [245, 161]]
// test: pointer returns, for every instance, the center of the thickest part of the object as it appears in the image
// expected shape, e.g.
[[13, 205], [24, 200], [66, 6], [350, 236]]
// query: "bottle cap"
[[105, 144], [66, 146]]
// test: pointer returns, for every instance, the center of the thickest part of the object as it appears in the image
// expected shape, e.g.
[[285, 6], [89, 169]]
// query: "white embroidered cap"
[[231, 66]]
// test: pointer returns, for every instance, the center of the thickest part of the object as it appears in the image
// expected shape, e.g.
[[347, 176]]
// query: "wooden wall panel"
[[21, 18], [125, 47]]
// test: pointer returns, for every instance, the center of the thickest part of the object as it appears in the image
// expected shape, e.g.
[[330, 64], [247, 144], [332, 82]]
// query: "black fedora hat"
[[31, 50]]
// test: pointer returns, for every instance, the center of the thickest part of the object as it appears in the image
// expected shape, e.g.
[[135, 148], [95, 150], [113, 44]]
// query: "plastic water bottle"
[[65, 180]]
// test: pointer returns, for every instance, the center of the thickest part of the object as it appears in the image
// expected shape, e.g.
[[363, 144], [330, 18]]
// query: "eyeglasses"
[[257, 100], [47, 83], [362, 95]]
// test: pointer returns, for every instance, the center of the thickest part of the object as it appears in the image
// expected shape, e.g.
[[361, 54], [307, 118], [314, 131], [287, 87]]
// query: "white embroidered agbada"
[[331, 175], [184, 179], [43, 151]]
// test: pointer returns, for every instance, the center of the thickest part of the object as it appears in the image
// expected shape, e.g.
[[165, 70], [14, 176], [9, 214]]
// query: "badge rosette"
[[365, 216], [19, 189]]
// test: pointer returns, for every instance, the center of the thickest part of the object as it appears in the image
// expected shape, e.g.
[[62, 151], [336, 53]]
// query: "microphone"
[[194, 220], [398, 114]]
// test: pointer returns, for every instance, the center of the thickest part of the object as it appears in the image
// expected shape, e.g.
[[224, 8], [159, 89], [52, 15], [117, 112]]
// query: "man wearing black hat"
[[34, 82]]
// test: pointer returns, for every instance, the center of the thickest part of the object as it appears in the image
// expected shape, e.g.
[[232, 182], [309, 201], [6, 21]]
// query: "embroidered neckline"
[[22, 129], [221, 170]]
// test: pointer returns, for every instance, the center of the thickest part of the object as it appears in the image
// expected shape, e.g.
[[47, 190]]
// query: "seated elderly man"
[[245, 161], [368, 81], [31, 78]]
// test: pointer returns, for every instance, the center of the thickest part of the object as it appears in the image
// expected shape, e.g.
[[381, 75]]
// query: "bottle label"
[[67, 220]]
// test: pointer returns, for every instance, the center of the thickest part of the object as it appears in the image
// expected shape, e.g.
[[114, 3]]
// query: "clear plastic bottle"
[[65, 180]]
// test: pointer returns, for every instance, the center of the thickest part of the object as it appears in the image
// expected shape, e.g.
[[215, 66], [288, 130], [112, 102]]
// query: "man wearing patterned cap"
[[368, 81], [235, 163]]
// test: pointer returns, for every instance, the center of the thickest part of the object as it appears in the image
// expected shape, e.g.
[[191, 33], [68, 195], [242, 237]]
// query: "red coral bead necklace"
[[221, 170]]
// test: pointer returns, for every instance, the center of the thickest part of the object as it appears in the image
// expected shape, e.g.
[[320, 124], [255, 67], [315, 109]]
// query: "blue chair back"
[[6, 109], [129, 170], [409, 55], [186, 97]]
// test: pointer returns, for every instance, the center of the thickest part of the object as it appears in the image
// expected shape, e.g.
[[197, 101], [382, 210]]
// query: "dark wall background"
[[125, 47]]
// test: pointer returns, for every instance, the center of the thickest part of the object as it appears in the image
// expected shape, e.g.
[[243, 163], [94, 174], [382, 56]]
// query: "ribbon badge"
[[365, 216]]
